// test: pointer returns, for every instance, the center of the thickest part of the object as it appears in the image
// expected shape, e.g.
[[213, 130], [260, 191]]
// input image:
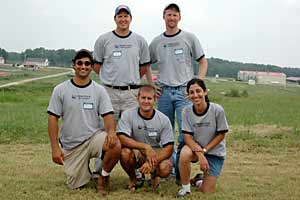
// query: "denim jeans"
[[171, 102]]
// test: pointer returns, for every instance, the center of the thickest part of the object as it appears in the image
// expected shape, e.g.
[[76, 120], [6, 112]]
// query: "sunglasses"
[[86, 63]]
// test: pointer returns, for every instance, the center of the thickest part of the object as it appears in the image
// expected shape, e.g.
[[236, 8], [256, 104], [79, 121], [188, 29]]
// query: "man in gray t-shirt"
[[174, 53], [120, 56], [147, 139], [80, 102]]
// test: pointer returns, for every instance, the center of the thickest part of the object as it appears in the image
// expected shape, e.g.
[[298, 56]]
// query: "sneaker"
[[197, 180], [140, 181], [173, 173], [182, 193], [138, 174], [103, 185], [95, 175]]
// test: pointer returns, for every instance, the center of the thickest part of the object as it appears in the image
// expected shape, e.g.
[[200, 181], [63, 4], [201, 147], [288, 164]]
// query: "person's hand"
[[158, 91], [111, 140], [151, 156], [196, 148], [204, 166], [146, 168], [57, 156]]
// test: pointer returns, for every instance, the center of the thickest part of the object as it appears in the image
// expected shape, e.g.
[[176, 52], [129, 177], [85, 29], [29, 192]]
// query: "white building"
[[35, 63], [2, 60], [276, 78]]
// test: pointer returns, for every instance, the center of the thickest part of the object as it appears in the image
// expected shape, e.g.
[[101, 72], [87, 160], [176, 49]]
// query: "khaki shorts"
[[76, 163], [141, 158], [122, 100]]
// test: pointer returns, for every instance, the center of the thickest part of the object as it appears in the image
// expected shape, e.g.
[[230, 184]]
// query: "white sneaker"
[[138, 174], [182, 193]]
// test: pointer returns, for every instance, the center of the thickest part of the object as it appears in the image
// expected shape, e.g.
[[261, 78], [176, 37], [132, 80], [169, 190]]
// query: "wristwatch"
[[204, 150]]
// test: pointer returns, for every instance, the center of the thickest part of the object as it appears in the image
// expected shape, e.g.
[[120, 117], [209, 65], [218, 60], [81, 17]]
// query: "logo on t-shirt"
[[202, 124], [123, 46]]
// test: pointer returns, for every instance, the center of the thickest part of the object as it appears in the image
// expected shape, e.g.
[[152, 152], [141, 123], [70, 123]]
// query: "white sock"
[[187, 187], [104, 173]]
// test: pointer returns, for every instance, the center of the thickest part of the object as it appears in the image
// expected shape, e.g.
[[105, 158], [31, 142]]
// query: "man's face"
[[171, 17], [123, 20], [146, 100], [83, 67]]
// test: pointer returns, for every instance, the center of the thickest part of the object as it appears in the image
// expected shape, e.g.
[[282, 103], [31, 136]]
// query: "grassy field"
[[263, 146], [17, 74]]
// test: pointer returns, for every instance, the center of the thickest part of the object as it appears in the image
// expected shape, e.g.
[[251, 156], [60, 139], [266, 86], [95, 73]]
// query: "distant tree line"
[[227, 68], [60, 57], [224, 68]]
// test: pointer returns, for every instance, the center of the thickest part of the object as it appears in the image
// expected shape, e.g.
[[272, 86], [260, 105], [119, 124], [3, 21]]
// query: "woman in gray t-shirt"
[[204, 126]]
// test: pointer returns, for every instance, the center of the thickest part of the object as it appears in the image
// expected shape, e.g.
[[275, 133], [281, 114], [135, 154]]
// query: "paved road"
[[33, 79]]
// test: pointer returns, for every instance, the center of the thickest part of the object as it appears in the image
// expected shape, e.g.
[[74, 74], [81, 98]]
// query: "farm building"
[[35, 63], [2, 60], [276, 78], [295, 80]]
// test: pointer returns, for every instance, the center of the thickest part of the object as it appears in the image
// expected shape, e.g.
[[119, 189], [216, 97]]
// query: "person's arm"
[[151, 155], [109, 125], [197, 150], [165, 153], [57, 154], [203, 65], [97, 67], [146, 70], [215, 141]]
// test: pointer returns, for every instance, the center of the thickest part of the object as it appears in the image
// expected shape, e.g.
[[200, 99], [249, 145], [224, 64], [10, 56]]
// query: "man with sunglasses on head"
[[79, 102], [174, 53]]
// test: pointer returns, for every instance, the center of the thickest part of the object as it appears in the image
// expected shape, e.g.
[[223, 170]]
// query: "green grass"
[[263, 147], [17, 74]]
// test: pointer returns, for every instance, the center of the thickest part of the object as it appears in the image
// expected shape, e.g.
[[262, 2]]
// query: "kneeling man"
[[147, 139], [79, 102]]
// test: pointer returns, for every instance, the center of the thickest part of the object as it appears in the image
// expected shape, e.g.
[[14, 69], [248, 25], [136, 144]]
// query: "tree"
[[3, 53]]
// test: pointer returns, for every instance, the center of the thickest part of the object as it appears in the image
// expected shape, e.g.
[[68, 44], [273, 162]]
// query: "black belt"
[[128, 87]]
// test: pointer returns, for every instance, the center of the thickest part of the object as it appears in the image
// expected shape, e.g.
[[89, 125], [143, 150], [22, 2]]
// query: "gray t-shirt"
[[206, 126], [80, 108], [121, 58], [174, 56], [156, 131]]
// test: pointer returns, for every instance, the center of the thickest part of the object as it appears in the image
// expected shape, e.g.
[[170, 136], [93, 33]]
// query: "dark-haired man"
[[174, 52], [147, 139], [79, 102]]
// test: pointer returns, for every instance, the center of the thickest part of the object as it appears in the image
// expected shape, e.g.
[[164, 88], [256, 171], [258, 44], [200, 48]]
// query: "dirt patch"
[[263, 129], [4, 74]]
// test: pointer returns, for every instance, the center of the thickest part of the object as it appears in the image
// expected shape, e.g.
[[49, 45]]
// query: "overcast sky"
[[256, 31]]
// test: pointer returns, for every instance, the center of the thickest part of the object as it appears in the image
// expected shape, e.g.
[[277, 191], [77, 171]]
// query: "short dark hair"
[[148, 88], [82, 53], [172, 6], [198, 82]]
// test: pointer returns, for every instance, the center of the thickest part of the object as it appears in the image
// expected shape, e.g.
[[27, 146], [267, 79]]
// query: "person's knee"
[[115, 150], [126, 153], [165, 169], [209, 184], [210, 189], [186, 154]]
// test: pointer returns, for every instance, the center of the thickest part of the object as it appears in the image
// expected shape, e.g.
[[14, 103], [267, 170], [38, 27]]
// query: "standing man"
[[174, 52], [79, 102], [147, 139], [120, 56]]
